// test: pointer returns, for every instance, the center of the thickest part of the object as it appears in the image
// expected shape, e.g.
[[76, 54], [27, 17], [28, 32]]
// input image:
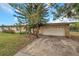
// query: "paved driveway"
[[51, 46]]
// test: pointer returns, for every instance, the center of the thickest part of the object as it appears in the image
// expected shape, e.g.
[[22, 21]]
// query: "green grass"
[[10, 44]]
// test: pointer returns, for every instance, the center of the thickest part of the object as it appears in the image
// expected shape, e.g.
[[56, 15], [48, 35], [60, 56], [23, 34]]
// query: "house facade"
[[53, 29]]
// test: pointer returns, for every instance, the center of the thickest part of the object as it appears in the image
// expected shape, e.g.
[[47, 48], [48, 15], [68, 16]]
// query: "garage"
[[55, 29]]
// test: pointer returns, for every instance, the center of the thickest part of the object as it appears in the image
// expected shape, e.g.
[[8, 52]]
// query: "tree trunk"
[[20, 29], [37, 32]]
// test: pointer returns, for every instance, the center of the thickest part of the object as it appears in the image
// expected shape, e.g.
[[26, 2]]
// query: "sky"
[[6, 15], [7, 18]]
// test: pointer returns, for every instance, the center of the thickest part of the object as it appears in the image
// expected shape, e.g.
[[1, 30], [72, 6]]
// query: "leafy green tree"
[[69, 10], [33, 15]]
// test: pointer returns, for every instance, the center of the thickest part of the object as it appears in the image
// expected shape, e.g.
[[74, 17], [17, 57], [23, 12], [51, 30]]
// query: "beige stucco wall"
[[0, 30], [18, 29], [14, 28], [49, 29]]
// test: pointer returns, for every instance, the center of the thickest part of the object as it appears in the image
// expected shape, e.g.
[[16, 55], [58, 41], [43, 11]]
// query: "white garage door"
[[53, 31]]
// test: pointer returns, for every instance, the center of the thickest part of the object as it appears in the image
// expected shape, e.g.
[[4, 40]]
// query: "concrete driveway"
[[51, 46]]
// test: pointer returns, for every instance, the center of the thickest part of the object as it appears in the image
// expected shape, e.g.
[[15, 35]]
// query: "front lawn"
[[10, 44]]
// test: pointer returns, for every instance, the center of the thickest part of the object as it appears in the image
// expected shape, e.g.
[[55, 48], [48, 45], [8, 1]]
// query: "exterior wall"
[[16, 29], [50, 29], [0, 29]]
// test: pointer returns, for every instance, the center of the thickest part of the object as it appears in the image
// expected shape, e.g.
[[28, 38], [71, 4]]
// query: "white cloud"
[[65, 20], [15, 19], [6, 8]]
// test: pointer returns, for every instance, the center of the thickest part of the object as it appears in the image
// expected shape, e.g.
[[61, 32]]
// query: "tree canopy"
[[66, 10]]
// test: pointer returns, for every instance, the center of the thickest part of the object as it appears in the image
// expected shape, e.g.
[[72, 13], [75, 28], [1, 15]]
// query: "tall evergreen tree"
[[33, 14]]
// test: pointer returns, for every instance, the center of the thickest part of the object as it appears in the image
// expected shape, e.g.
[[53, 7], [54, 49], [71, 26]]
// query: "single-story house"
[[59, 27], [53, 29]]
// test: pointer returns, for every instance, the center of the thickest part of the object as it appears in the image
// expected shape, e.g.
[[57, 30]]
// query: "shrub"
[[8, 31], [74, 29]]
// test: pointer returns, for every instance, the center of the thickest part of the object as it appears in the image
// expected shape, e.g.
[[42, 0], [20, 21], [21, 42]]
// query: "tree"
[[33, 15], [19, 24], [69, 10]]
